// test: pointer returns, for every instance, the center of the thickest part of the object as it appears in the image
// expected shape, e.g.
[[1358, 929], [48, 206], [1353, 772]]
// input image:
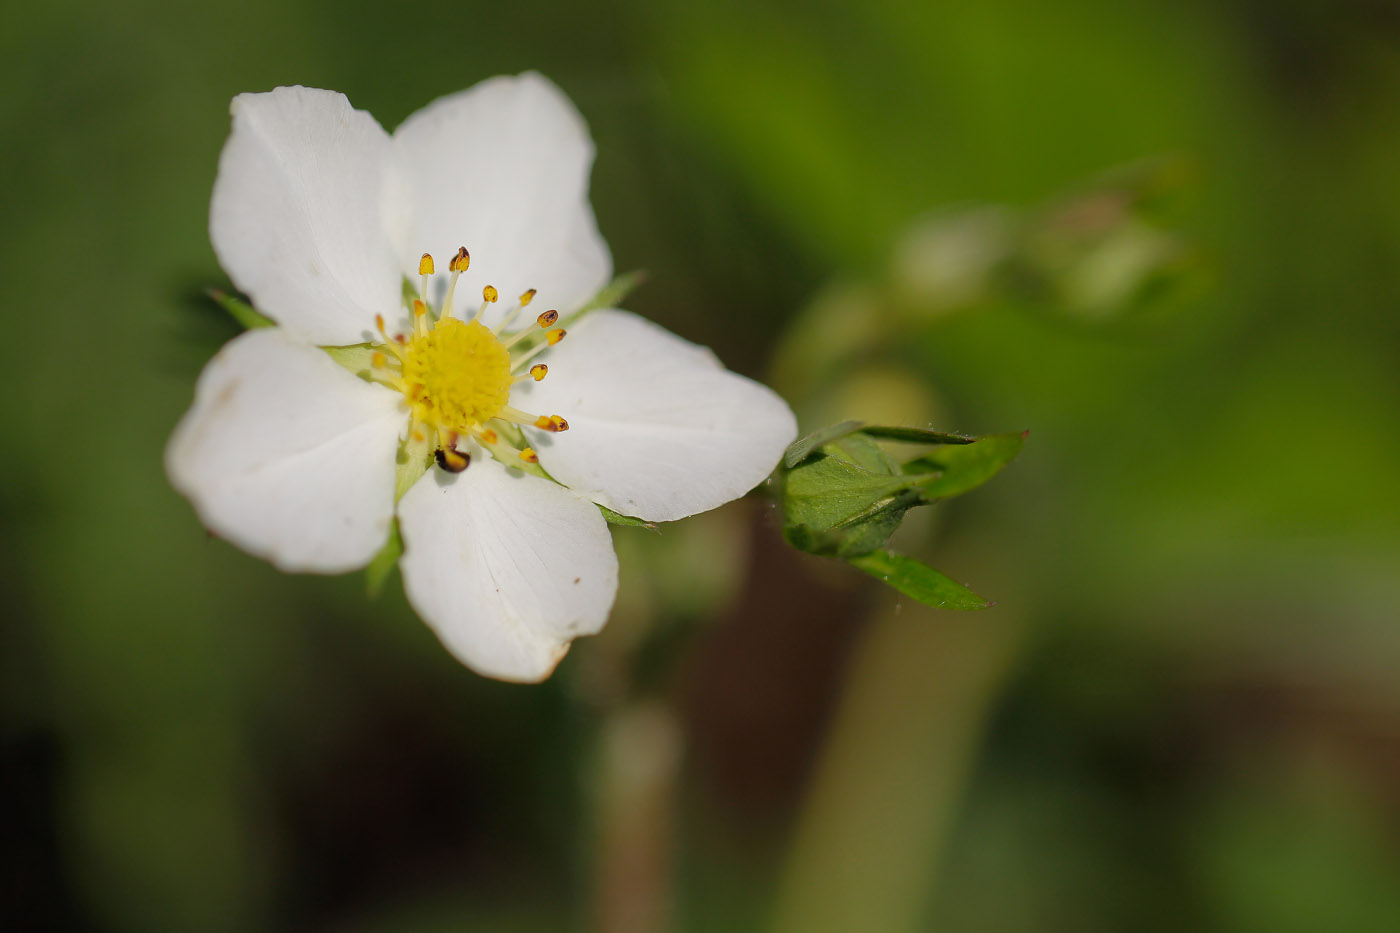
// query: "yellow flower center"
[[458, 375]]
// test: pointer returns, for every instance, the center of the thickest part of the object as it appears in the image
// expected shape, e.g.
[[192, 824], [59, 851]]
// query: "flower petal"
[[289, 456], [658, 428], [502, 169], [507, 568], [296, 218]]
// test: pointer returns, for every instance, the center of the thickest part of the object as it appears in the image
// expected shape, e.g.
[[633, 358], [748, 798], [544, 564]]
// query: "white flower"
[[318, 215]]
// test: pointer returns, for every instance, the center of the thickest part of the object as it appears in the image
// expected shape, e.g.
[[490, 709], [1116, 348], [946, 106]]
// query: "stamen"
[[525, 299], [389, 344], [529, 455], [420, 317], [425, 269], [537, 372], [490, 294], [555, 336], [453, 461], [457, 266], [553, 424], [544, 320], [486, 435]]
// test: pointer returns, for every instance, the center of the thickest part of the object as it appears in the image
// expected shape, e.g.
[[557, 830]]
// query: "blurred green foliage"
[[1182, 713]]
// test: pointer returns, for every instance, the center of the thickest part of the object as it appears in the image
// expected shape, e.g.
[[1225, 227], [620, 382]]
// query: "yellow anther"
[[378, 360], [490, 293], [451, 460], [529, 455], [419, 308], [425, 265], [526, 298], [460, 261], [538, 371], [555, 336], [542, 422], [557, 424], [489, 436], [547, 318]]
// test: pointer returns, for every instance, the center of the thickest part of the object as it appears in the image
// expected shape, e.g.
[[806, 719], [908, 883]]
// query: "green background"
[[1182, 713]]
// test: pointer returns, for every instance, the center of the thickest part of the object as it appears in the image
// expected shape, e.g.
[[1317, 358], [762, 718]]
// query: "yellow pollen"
[[529, 455], [425, 265], [526, 298], [461, 261], [490, 293], [539, 370], [555, 336], [457, 375]]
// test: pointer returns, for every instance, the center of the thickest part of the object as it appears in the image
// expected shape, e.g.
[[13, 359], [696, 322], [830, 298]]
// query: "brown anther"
[[555, 336], [529, 455], [526, 298], [401, 339], [460, 262], [557, 424], [547, 318], [490, 293], [538, 371], [451, 460], [425, 265]]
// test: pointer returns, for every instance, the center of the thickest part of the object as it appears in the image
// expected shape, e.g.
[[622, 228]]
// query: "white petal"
[[507, 568], [502, 169], [658, 428], [289, 456], [296, 218]]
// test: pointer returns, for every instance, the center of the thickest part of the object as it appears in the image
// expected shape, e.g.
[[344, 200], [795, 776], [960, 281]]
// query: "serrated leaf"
[[240, 310], [617, 518], [382, 564], [918, 581], [958, 469], [914, 435], [803, 447]]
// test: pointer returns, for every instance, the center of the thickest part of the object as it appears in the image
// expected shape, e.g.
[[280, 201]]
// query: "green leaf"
[[240, 310], [915, 435], [918, 581], [958, 469], [617, 518], [383, 563], [803, 447]]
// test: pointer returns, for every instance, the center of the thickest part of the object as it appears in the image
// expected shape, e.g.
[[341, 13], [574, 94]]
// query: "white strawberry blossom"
[[293, 453]]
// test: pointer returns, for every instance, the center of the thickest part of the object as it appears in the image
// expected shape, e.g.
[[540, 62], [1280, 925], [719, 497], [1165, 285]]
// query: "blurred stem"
[[639, 759], [870, 839]]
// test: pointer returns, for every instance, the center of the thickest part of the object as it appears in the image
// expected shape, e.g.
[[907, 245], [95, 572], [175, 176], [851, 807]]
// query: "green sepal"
[[413, 460], [356, 357], [617, 518], [962, 468], [918, 581], [240, 310], [382, 564]]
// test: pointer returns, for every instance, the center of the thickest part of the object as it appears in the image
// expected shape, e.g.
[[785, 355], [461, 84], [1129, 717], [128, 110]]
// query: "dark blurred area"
[[1163, 237]]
